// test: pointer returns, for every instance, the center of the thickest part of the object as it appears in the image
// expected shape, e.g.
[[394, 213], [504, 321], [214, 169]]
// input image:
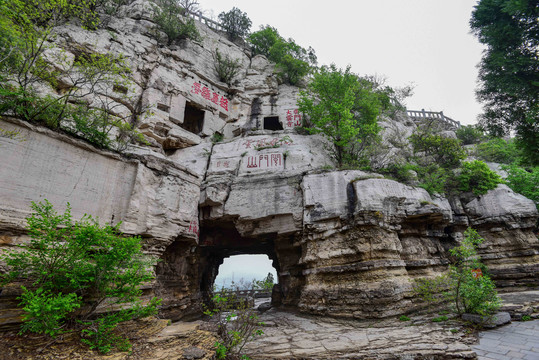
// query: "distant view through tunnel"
[[245, 272]]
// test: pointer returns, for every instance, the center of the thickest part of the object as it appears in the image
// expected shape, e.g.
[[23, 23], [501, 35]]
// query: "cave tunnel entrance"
[[221, 242], [187, 272]]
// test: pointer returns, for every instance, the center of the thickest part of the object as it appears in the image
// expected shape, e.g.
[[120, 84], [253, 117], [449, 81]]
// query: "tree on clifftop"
[[509, 70], [344, 108]]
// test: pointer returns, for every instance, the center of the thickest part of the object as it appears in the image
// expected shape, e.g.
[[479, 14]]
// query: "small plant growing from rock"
[[440, 318], [171, 18], [467, 285], [237, 323], [226, 67], [404, 318], [472, 291]]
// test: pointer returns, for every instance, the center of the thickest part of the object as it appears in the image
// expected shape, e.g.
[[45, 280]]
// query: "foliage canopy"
[[26, 58], [509, 70], [344, 108], [293, 62], [236, 23]]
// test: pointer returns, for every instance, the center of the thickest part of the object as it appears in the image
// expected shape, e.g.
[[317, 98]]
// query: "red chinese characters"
[[265, 161], [219, 100], [293, 118], [223, 164], [193, 227]]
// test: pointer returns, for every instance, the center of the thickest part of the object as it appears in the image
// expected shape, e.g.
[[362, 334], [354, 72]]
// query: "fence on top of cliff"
[[215, 25], [432, 115]]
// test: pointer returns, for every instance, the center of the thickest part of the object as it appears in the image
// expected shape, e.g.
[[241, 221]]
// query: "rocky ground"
[[287, 335]]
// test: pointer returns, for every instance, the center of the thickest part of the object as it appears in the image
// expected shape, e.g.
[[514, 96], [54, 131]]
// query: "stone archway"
[[222, 240]]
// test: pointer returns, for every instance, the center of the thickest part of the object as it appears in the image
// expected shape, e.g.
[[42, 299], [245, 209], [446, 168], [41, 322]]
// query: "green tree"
[[344, 108], [70, 265], [293, 62], [471, 292], [476, 177], [26, 62], [469, 134], [509, 70], [443, 151], [236, 23], [171, 18], [499, 150], [524, 181]]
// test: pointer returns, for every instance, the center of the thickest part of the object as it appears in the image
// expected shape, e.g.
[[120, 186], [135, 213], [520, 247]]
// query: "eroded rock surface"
[[344, 243]]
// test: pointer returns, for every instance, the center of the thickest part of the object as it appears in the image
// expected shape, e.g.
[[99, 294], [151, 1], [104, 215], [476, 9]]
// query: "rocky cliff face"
[[344, 243]]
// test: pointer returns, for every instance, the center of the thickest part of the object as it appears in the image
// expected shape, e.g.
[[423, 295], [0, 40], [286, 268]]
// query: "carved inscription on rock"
[[264, 161]]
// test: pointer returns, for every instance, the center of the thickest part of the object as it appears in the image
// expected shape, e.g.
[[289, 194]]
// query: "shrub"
[[94, 75], [237, 323], [498, 150], [236, 23], [440, 318], [293, 62], [169, 17], [471, 293], [469, 134], [468, 285], [445, 152], [226, 68], [476, 177], [525, 182], [435, 179], [78, 264]]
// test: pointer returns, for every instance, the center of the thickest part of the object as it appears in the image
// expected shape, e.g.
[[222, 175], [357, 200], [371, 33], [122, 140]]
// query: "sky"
[[424, 43], [247, 267]]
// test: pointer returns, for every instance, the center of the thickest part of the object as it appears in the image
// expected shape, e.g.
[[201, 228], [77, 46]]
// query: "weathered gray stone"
[[488, 321]]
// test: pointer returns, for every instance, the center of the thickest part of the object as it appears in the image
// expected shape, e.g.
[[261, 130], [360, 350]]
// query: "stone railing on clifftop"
[[432, 115], [215, 25]]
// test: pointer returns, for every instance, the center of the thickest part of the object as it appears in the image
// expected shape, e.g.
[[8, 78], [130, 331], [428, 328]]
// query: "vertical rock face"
[[344, 243]]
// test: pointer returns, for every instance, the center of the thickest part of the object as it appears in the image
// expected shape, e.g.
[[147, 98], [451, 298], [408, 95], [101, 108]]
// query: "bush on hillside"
[[236, 23], [72, 268], [476, 177]]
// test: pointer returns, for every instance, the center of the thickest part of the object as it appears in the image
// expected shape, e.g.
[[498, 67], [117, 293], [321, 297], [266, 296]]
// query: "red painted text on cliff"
[[193, 227], [293, 118], [265, 161], [212, 96]]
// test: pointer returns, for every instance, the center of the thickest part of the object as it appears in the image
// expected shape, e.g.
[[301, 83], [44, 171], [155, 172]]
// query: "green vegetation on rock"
[[26, 63], [293, 62], [79, 276], [476, 177], [236, 23], [344, 108]]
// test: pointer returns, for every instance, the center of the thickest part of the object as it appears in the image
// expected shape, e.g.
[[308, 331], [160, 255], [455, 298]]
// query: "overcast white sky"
[[421, 42], [246, 267]]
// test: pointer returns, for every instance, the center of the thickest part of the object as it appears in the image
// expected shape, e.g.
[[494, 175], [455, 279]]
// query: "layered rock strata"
[[344, 243]]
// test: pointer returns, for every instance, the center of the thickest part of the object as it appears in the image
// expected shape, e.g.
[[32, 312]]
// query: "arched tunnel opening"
[[187, 272]]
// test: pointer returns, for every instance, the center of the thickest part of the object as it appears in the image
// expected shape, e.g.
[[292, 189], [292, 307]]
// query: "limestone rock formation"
[[344, 243]]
